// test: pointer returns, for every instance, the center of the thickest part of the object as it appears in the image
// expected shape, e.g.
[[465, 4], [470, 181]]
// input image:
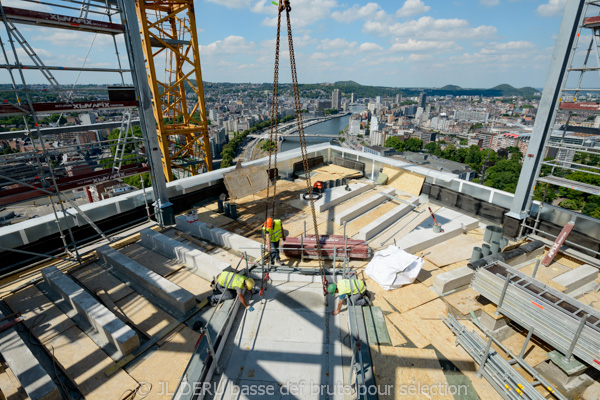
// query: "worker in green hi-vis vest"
[[228, 284], [353, 288], [274, 231]]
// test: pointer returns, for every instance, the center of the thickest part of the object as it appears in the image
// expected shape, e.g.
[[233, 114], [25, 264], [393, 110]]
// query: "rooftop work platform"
[[290, 339]]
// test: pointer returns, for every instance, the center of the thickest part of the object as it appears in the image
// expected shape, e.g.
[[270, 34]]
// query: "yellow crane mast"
[[168, 29]]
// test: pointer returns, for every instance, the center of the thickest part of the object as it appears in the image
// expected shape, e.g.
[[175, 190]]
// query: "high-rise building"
[[378, 100], [354, 128], [422, 100], [353, 98], [398, 98], [336, 99]]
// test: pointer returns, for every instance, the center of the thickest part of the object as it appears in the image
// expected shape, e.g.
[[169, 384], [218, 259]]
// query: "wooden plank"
[[376, 328], [194, 284], [211, 217], [410, 296], [451, 251], [244, 181], [428, 272], [464, 301], [545, 274], [426, 320], [84, 363], [534, 354], [145, 315], [10, 387], [356, 225], [167, 364], [95, 277], [42, 317], [403, 180], [401, 367]]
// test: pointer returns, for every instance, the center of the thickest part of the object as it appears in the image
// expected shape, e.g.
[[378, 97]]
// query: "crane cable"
[[273, 142], [285, 5]]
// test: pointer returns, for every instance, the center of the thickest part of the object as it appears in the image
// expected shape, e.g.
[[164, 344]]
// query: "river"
[[329, 127]]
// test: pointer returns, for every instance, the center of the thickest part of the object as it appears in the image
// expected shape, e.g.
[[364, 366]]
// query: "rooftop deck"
[[291, 338]]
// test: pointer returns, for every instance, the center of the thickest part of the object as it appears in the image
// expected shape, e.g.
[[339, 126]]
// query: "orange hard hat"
[[269, 223]]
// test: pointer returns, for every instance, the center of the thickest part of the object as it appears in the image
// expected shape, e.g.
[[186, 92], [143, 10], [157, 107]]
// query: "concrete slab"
[[112, 330], [453, 224], [452, 280], [220, 237], [195, 260], [334, 196], [33, 378], [577, 278], [385, 221], [363, 207], [145, 281]]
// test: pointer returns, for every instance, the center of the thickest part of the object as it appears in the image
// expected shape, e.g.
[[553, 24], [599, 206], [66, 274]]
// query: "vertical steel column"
[[162, 207], [504, 289], [549, 103], [576, 338]]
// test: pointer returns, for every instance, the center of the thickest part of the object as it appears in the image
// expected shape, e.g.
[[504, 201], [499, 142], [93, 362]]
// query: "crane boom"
[[168, 29]]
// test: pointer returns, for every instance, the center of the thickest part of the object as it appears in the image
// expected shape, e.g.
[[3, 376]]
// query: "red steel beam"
[[25, 193], [9, 109], [61, 21], [580, 106], [591, 22]]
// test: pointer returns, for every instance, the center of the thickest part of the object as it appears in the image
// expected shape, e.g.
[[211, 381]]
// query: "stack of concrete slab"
[[148, 282], [363, 207], [578, 280], [422, 237], [386, 220], [196, 261], [334, 196], [452, 281], [33, 378], [111, 329], [220, 237]]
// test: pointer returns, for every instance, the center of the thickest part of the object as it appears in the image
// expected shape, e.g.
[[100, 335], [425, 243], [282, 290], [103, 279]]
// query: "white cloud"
[[336, 44], [231, 44], [430, 28], [489, 3], [515, 45], [306, 12], [319, 56], [551, 9], [420, 45], [26, 5], [366, 47], [419, 57], [264, 7], [356, 12], [232, 3], [412, 7]]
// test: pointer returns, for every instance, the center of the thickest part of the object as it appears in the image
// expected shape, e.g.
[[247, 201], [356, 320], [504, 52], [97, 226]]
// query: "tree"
[[431, 147], [413, 144], [396, 143]]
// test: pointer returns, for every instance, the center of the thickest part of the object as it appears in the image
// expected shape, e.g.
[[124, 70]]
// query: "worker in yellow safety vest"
[[228, 284], [353, 288], [273, 229]]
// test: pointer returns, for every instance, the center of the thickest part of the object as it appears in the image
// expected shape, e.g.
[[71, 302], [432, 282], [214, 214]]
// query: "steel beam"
[[546, 115]]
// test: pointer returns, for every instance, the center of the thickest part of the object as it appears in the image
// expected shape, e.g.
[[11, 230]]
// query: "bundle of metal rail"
[[502, 376], [568, 325]]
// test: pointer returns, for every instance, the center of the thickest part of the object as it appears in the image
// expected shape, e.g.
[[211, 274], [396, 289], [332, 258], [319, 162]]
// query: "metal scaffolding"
[[22, 63], [572, 78]]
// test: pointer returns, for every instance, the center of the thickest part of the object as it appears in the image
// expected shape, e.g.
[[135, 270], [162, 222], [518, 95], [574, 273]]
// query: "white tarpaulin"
[[393, 268]]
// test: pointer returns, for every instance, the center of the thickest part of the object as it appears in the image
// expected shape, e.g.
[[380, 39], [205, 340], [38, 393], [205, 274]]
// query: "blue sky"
[[408, 43], [405, 43]]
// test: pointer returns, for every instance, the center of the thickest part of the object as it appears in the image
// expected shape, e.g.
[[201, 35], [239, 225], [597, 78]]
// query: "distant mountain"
[[508, 90], [346, 83], [451, 87]]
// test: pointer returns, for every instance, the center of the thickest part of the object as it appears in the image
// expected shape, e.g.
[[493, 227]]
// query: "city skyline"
[[412, 43]]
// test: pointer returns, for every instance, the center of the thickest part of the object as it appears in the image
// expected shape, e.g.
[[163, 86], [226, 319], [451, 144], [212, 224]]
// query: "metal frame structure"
[[568, 78], [121, 21], [169, 30]]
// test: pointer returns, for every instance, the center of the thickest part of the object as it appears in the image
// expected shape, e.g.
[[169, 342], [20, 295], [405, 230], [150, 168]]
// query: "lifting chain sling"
[[273, 143]]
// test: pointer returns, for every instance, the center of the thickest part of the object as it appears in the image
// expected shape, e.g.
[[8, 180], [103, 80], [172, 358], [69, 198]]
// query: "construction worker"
[[230, 283], [273, 229], [355, 288]]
